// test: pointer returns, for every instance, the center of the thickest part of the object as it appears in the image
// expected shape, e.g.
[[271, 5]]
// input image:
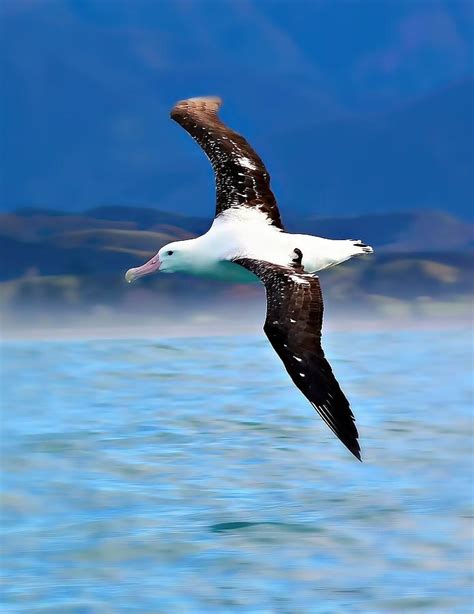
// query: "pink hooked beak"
[[149, 267]]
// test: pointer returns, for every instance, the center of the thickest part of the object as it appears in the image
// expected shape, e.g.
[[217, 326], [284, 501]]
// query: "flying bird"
[[247, 239]]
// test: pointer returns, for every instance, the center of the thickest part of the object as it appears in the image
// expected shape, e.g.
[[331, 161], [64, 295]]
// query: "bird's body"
[[247, 241], [246, 233]]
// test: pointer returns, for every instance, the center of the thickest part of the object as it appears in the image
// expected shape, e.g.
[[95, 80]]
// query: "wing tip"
[[351, 443], [355, 450], [199, 103], [348, 435]]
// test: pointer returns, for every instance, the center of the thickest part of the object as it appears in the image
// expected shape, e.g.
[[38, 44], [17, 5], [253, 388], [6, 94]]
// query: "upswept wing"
[[241, 177], [293, 326]]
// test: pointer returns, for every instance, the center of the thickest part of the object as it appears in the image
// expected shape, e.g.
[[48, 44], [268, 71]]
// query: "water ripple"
[[190, 475]]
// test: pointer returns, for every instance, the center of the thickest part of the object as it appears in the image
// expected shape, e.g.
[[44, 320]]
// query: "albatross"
[[247, 239]]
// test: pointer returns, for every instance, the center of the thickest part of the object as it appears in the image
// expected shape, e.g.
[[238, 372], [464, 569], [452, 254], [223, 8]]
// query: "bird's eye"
[[170, 253]]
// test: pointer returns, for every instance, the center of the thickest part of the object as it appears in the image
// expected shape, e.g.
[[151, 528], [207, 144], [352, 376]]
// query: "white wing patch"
[[246, 163], [252, 217], [299, 280]]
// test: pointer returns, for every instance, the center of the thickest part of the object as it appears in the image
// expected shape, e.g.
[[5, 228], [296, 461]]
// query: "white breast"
[[243, 232]]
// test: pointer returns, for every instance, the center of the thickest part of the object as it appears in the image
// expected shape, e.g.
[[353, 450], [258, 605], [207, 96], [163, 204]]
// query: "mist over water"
[[190, 475], [219, 317]]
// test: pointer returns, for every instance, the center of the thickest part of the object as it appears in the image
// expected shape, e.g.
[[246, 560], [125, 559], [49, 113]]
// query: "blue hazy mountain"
[[63, 261], [355, 107]]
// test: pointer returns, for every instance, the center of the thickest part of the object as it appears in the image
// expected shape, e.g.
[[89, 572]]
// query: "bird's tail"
[[361, 248]]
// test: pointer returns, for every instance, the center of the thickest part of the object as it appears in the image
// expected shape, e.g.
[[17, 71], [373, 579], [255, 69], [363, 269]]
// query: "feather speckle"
[[293, 326], [241, 177]]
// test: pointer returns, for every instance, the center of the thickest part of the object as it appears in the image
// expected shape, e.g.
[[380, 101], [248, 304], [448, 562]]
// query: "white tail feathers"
[[361, 248]]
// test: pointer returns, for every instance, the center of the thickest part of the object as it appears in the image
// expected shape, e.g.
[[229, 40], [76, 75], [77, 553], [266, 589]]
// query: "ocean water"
[[189, 475]]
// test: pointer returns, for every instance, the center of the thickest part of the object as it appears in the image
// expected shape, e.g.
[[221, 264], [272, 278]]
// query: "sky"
[[87, 88]]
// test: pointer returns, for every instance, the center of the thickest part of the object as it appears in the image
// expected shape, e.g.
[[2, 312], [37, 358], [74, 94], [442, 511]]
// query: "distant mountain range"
[[109, 239], [69, 259]]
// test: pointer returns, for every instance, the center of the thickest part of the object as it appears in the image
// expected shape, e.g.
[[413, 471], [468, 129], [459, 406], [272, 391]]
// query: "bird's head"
[[170, 259]]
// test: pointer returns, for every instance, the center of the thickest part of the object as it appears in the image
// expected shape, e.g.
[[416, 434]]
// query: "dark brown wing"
[[293, 326], [241, 177]]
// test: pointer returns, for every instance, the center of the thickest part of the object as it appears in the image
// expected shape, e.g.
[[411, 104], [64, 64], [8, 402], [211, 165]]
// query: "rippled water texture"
[[190, 476]]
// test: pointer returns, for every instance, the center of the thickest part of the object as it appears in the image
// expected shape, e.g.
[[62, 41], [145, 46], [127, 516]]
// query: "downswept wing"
[[293, 326], [241, 177]]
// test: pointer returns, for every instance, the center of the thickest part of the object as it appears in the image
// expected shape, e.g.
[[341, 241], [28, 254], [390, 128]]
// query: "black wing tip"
[[345, 430], [352, 441], [352, 444], [200, 103], [355, 450]]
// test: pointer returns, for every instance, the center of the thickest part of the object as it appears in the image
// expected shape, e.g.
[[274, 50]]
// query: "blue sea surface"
[[190, 475]]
